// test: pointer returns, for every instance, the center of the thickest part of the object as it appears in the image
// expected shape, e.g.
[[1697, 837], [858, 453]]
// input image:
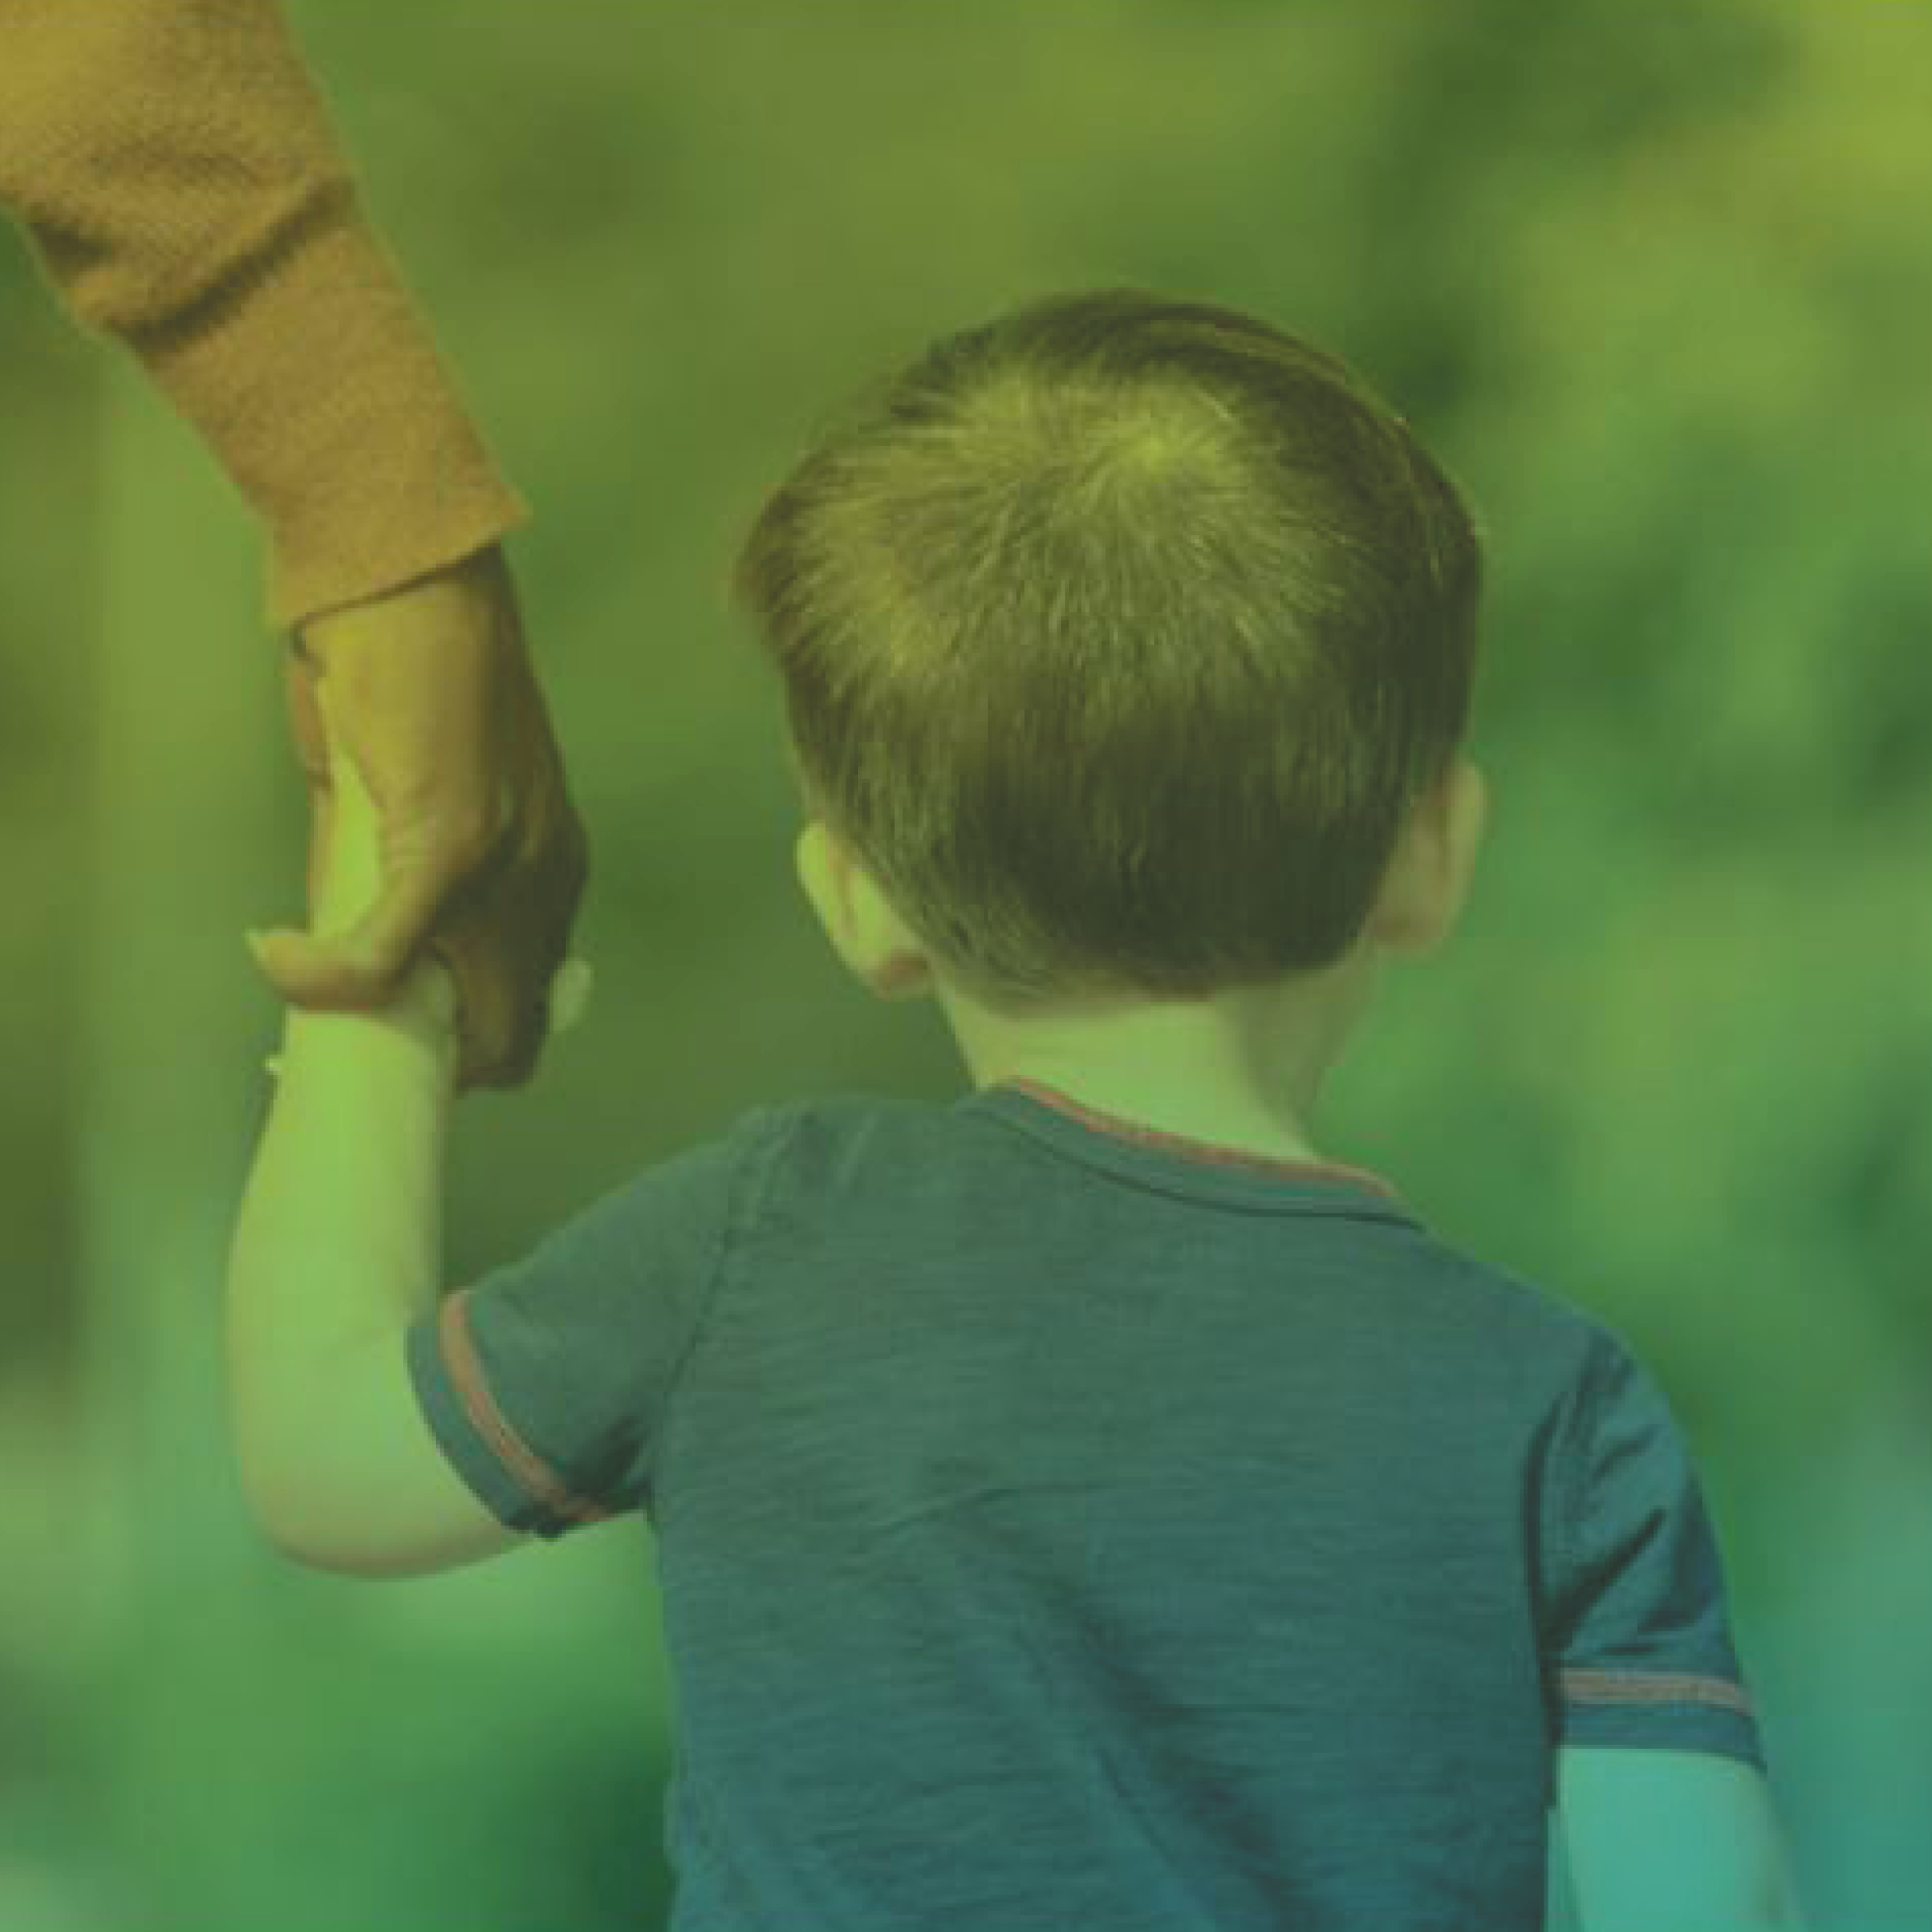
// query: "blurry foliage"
[[46, 628], [1651, 283]]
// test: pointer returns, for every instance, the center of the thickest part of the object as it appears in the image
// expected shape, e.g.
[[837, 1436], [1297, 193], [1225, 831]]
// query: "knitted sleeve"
[[186, 193]]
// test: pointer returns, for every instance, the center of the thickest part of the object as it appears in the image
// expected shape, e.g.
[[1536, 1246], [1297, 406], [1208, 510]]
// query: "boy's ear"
[[1435, 858], [865, 931]]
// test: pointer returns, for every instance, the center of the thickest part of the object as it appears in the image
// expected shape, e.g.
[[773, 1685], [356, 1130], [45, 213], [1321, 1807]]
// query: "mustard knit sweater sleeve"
[[179, 175]]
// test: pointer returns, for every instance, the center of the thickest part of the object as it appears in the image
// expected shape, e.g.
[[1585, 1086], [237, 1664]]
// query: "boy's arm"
[[338, 1241], [1671, 1841]]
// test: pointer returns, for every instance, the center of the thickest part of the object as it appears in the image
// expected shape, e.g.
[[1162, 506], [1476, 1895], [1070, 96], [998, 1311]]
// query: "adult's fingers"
[[505, 934], [415, 683], [310, 739]]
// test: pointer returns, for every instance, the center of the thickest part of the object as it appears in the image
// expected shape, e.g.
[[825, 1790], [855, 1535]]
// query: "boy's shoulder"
[[1600, 1344], [832, 1115]]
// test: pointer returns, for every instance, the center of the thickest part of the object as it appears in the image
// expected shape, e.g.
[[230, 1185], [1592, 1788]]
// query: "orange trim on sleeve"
[[1652, 1687], [524, 1464]]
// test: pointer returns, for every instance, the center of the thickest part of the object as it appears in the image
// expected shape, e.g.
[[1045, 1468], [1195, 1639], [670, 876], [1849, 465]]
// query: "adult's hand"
[[483, 856]]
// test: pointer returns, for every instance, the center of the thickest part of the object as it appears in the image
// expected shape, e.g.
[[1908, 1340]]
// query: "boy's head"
[[1126, 646]]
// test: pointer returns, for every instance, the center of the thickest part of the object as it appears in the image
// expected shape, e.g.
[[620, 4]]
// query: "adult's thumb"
[[358, 967]]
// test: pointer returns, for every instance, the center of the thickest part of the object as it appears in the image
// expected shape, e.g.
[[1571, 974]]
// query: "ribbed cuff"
[[314, 378]]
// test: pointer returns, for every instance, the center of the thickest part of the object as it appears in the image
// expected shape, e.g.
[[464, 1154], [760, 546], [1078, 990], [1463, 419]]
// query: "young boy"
[[1085, 1505]]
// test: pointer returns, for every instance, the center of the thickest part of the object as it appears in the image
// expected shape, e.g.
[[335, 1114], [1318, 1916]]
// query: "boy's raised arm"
[[338, 1241]]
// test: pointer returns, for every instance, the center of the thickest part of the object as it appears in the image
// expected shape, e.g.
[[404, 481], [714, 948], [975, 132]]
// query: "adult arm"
[[186, 193], [178, 171]]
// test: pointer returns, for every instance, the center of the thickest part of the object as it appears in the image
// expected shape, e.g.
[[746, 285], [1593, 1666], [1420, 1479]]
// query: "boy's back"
[[1063, 1526]]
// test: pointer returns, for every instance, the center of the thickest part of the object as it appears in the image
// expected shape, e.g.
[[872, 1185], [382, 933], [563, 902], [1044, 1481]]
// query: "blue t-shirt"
[[1068, 1527]]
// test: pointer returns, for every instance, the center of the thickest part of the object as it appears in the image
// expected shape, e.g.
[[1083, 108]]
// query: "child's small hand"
[[345, 871]]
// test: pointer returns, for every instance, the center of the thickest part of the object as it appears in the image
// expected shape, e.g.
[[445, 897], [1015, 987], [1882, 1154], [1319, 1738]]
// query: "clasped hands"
[[446, 860]]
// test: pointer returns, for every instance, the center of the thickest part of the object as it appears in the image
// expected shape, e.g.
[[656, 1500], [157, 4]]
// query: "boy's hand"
[[345, 871]]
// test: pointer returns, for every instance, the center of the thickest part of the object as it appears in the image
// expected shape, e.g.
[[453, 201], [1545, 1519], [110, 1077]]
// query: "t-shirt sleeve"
[[547, 1381], [1641, 1638]]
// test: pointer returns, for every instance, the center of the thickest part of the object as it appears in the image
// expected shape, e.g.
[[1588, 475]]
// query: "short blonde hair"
[[1116, 635]]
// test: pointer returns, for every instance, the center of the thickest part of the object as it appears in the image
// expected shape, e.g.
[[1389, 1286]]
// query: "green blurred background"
[[1656, 284]]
